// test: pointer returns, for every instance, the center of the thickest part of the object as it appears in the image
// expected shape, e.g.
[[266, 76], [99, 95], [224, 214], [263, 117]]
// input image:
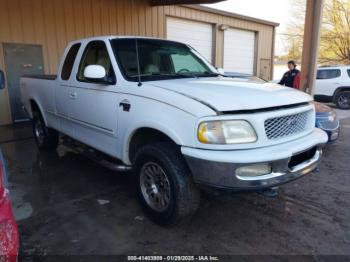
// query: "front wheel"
[[46, 138], [165, 187], [342, 100]]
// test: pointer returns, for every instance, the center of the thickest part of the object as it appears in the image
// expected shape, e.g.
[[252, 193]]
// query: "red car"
[[8, 228]]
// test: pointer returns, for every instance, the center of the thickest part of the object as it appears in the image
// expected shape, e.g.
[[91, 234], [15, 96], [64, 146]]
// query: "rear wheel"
[[46, 138], [165, 187], [342, 99]]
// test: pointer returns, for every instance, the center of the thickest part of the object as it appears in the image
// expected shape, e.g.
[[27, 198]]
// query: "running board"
[[115, 167], [95, 155]]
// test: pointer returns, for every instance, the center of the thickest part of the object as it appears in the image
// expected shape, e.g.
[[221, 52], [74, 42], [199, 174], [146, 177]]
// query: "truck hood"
[[227, 94]]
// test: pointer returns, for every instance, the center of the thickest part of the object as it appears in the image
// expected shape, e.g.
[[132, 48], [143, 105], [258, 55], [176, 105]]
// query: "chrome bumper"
[[223, 175], [299, 170], [286, 163]]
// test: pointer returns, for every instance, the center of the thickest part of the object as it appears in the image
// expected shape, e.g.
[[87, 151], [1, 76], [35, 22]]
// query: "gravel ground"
[[67, 205]]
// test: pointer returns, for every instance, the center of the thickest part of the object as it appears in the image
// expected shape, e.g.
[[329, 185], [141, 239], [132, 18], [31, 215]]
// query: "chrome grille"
[[284, 126]]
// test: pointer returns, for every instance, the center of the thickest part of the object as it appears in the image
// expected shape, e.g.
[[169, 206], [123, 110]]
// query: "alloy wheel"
[[39, 132], [344, 100], [155, 186]]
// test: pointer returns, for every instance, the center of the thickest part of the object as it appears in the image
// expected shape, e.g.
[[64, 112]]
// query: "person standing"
[[292, 77]]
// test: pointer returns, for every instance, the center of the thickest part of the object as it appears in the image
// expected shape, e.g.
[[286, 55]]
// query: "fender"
[[339, 89], [147, 124], [42, 112]]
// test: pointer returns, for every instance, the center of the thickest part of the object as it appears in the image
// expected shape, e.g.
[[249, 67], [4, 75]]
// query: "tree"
[[335, 32], [293, 37], [335, 38]]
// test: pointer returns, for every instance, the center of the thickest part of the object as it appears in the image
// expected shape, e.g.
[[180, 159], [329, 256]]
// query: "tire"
[[45, 138], [342, 99], [175, 197]]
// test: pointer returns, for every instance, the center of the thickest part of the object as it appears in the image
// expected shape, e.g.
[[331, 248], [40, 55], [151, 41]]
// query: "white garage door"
[[239, 51], [196, 34]]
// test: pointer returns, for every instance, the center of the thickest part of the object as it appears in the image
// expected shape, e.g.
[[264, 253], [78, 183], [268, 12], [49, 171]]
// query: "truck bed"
[[35, 88]]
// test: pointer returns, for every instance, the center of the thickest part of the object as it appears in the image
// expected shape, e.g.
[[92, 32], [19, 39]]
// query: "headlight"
[[226, 132], [332, 116]]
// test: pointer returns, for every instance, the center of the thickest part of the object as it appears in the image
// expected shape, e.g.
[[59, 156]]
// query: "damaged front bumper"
[[259, 168]]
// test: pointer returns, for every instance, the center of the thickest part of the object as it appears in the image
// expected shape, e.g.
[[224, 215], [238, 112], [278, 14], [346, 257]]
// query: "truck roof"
[[334, 67], [109, 37]]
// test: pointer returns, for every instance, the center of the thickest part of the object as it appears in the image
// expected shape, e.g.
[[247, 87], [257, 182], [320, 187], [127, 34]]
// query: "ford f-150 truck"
[[166, 113]]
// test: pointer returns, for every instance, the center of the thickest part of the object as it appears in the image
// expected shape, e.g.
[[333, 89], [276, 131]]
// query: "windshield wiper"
[[172, 75], [187, 74], [206, 73]]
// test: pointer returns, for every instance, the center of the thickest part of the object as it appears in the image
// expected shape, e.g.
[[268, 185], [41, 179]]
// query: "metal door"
[[239, 51], [265, 69], [199, 35], [20, 59]]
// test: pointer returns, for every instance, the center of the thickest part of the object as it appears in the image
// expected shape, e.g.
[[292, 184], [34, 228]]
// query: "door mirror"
[[2, 79], [95, 73], [221, 71]]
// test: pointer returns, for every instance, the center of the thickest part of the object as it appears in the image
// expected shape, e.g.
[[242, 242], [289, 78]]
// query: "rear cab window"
[[69, 61], [328, 73], [348, 72]]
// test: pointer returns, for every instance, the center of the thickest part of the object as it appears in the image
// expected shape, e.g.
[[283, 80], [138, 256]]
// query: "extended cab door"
[[62, 98], [94, 104]]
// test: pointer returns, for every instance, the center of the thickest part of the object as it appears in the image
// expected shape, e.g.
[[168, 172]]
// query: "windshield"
[[159, 60]]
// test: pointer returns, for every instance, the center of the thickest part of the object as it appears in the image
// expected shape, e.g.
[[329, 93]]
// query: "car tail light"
[[8, 227], [2, 183]]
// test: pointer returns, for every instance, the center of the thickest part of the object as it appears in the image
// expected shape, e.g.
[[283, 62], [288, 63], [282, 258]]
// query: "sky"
[[272, 10]]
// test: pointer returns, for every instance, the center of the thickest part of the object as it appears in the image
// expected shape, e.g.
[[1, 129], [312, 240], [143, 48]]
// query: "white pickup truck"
[[168, 114]]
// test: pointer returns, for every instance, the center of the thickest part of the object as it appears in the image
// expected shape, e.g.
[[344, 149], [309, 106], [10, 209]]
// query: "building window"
[[69, 62], [328, 73]]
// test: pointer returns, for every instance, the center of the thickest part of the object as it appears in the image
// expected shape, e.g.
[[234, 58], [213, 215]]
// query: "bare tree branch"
[[335, 35]]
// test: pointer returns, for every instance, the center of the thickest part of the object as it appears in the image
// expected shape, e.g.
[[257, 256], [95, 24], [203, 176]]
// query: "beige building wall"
[[53, 24]]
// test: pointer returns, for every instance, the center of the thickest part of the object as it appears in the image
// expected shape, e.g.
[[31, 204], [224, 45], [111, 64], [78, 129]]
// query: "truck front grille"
[[284, 126]]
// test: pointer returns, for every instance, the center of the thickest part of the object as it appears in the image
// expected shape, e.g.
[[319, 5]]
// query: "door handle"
[[125, 104], [73, 95]]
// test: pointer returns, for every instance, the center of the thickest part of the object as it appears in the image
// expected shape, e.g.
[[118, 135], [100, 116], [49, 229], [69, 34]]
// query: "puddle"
[[21, 209]]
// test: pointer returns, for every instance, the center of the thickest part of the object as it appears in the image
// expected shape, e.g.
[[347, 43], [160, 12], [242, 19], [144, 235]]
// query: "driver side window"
[[96, 54]]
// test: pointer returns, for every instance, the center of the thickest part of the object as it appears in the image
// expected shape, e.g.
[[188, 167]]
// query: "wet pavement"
[[67, 205]]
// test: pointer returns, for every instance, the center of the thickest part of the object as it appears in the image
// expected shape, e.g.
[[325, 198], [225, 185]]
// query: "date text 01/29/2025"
[[173, 258]]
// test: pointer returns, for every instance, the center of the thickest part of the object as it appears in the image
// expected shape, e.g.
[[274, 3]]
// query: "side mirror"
[[95, 73], [221, 71], [2, 79]]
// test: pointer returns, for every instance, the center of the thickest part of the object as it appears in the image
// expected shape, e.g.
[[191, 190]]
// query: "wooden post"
[[312, 31]]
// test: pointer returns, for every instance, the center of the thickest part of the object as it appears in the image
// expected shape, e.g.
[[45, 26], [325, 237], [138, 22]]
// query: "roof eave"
[[180, 2], [233, 15]]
